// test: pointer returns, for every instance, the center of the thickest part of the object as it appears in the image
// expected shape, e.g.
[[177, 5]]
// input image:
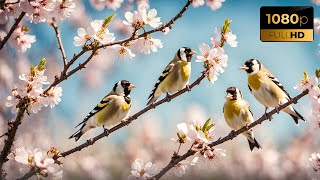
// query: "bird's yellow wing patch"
[[125, 106]]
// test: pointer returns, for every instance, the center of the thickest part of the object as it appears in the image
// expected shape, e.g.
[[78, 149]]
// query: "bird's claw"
[[277, 109], [188, 88], [267, 116], [105, 131], [168, 97]]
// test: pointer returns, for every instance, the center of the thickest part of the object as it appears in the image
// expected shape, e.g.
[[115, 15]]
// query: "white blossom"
[[214, 4], [197, 3], [148, 44], [21, 40], [100, 33], [139, 170], [150, 16], [122, 51]]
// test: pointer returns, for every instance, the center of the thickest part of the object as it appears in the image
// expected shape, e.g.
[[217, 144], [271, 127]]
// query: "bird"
[[175, 76], [267, 89], [237, 114], [111, 110]]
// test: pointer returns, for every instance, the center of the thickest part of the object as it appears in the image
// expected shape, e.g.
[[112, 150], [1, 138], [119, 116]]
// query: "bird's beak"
[[228, 96], [244, 68], [193, 52], [131, 86]]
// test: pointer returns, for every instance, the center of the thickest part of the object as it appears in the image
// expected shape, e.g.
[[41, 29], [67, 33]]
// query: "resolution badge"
[[286, 23]]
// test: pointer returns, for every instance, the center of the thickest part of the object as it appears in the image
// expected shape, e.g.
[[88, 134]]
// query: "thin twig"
[[29, 174], [58, 35], [232, 135], [11, 137], [16, 23]]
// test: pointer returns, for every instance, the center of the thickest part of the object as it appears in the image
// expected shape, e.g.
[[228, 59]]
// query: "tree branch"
[[11, 137], [56, 29], [230, 136], [16, 23], [29, 174]]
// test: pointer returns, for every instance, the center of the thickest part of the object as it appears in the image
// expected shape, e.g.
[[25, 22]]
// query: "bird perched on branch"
[[267, 89], [175, 76], [111, 110], [237, 114]]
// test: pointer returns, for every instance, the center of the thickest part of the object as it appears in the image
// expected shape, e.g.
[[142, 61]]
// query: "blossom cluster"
[[40, 10], [21, 40], [98, 33], [40, 160], [212, 4], [312, 84], [200, 134], [214, 58], [31, 92], [142, 171], [110, 4]]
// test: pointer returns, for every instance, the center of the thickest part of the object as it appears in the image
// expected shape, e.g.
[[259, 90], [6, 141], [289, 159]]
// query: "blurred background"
[[286, 147]]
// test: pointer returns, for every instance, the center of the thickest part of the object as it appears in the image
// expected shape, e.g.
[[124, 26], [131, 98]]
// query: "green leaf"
[[108, 20], [42, 64], [209, 127], [318, 73], [305, 76], [32, 70], [204, 127]]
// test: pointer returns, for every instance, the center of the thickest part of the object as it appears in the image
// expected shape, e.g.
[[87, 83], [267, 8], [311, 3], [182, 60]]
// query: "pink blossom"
[[214, 4], [314, 166], [150, 16], [139, 170], [197, 3], [21, 40], [148, 44], [122, 51]]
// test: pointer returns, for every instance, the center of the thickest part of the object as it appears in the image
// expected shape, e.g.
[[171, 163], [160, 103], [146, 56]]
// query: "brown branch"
[[16, 23], [11, 137], [29, 174], [232, 134], [132, 118], [56, 29]]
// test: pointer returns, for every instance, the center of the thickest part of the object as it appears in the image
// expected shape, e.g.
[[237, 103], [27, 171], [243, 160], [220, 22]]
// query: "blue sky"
[[285, 60]]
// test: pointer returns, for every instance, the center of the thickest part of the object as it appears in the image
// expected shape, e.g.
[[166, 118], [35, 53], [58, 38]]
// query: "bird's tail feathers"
[[296, 116], [77, 134], [253, 144]]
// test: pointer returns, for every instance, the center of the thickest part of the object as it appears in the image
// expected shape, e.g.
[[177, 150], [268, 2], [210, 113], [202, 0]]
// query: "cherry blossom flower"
[[308, 83], [204, 51], [166, 30], [139, 170], [13, 101], [207, 155], [53, 96], [231, 39], [63, 9], [197, 3], [314, 166], [82, 37], [38, 10], [122, 51], [13, 10], [195, 135], [148, 44], [150, 16], [219, 60], [113, 4], [214, 4], [180, 169], [37, 159], [134, 19], [215, 42], [21, 40], [97, 4], [100, 32]]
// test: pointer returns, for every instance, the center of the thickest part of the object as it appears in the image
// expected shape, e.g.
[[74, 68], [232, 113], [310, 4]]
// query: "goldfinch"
[[267, 89], [111, 110], [175, 76], [237, 114]]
